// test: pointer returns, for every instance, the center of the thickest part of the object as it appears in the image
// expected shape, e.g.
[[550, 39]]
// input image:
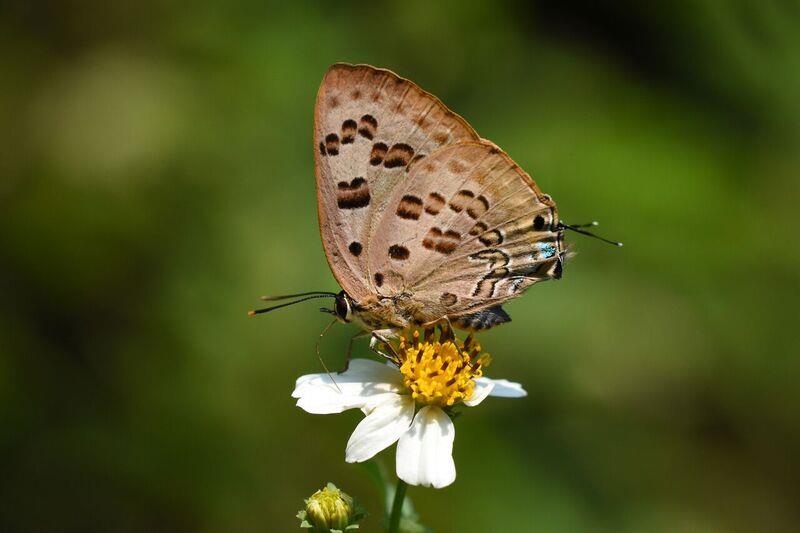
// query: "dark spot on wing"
[[443, 242], [348, 131], [434, 204], [368, 127], [493, 256], [399, 155], [492, 238], [478, 207], [332, 144], [355, 248], [485, 287], [410, 207], [352, 195], [377, 154], [460, 200], [398, 252]]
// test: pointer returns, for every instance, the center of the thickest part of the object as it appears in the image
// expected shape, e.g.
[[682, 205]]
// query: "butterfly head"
[[343, 305]]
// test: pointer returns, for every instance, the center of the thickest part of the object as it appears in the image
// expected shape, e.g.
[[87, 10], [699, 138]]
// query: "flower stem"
[[397, 506]]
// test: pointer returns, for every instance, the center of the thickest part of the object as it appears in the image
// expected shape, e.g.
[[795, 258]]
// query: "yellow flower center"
[[440, 371]]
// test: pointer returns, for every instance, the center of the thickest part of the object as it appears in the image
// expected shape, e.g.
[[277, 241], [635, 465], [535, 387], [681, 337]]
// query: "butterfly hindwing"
[[371, 129], [483, 319], [466, 231]]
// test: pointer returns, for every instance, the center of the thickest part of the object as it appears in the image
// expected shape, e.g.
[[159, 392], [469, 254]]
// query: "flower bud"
[[330, 509]]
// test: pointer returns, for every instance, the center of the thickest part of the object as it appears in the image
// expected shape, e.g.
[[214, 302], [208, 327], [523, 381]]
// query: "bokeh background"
[[156, 177]]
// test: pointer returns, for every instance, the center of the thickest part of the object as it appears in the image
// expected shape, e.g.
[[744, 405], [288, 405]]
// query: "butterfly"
[[422, 220]]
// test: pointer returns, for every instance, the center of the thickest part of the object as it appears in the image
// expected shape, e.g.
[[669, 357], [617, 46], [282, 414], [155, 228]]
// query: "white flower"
[[405, 403]]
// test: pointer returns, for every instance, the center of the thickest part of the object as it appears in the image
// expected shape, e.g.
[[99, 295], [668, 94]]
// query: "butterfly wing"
[[371, 128], [468, 230]]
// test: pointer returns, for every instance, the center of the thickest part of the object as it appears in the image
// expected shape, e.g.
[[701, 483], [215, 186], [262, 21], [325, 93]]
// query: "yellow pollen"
[[440, 371]]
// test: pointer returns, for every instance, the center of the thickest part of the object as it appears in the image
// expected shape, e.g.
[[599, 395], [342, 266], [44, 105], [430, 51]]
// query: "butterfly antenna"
[[591, 224], [577, 229], [319, 355], [268, 309], [285, 296]]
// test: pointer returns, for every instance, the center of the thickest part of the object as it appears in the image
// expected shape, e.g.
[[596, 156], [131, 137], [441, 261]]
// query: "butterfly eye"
[[343, 310]]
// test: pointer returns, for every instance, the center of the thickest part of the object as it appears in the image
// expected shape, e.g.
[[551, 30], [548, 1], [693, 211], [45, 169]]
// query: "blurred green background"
[[156, 177]]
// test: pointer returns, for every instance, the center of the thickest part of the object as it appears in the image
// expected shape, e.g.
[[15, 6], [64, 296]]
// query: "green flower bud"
[[330, 509]]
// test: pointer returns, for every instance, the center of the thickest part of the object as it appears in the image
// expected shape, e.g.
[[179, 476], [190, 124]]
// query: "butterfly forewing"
[[372, 128]]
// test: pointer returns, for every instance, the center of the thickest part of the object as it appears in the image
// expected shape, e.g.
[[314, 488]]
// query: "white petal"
[[425, 451], [505, 389], [483, 387], [326, 401], [381, 428], [362, 373], [365, 379]]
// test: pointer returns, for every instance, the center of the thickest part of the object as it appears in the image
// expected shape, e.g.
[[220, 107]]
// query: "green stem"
[[397, 506]]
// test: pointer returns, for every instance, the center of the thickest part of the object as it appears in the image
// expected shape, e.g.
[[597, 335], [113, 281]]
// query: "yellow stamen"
[[440, 371]]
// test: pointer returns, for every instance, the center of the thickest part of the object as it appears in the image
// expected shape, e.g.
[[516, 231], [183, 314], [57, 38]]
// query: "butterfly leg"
[[384, 336], [319, 356], [438, 321], [359, 335], [444, 324]]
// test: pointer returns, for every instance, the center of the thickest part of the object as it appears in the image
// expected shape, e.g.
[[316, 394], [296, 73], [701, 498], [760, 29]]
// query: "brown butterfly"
[[422, 221]]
